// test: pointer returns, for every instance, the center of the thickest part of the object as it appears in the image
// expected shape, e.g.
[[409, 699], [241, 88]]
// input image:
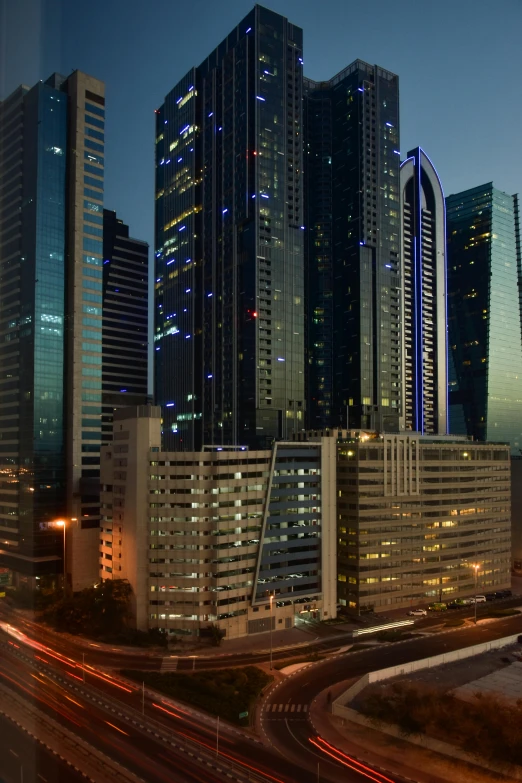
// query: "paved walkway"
[[386, 753]]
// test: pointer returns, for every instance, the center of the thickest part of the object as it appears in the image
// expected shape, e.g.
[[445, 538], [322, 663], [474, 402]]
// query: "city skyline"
[[438, 108]]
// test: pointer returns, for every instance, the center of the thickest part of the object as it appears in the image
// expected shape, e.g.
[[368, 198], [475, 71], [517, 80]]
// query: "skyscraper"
[[51, 304], [125, 320], [353, 282], [229, 309], [423, 275], [484, 315]]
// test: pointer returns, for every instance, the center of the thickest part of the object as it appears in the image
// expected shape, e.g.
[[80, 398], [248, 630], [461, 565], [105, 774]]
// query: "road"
[[118, 658], [21, 759], [290, 732]]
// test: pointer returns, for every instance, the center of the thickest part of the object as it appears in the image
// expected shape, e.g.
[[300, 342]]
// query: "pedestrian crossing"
[[169, 664], [295, 708]]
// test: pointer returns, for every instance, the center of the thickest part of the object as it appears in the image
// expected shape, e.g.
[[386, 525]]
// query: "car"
[[417, 613], [438, 606], [455, 605], [506, 593], [480, 599], [490, 596], [499, 594]]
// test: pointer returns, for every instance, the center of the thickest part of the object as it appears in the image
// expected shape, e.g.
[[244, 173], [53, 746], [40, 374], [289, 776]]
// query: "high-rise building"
[[229, 298], [353, 282], [51, 305], [423, 276], [125, 320], [484, 315]]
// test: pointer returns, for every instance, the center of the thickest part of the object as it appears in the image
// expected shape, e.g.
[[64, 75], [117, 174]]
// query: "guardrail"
[[377, 628]]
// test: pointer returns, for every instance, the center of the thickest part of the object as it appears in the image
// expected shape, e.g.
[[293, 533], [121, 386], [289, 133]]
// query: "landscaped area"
[[228, 693]]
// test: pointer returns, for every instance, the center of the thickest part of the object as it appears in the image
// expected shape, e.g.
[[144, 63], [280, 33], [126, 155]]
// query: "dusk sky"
[[459, 63]]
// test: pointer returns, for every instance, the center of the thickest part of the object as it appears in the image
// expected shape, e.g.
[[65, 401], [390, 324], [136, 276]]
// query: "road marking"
[[280, 708], [286, 707], [298, 708], [14, 754], [292, 708]]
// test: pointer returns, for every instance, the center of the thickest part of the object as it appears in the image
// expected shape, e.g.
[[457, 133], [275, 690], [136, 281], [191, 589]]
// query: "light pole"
[[271, 623], [476, 568], [61, 523]]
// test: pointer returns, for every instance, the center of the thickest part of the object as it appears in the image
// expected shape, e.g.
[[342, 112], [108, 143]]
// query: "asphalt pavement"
[[288, 730]]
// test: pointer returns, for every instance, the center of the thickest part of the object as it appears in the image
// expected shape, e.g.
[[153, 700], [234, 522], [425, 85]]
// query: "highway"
[[290, 732], [24, 760]]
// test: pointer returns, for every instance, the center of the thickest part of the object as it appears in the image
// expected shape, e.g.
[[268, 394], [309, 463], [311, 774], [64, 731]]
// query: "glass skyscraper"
[[353, 282], [52, 155], [423, 275], [229, 282], [484, 315]]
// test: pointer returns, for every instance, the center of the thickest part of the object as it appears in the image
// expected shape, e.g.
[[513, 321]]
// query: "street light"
[[475, 567], [271, 623], [61, 523]]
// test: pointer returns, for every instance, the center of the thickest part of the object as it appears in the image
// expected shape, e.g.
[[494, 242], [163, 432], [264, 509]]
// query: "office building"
[[415, 513], [353, 281], [229, 298], [484, 315], [125, 320], [423, 277], [206, 538], [51, 304]]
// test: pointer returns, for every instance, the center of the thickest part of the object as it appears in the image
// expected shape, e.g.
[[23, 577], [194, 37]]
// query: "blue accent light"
[[361, 89], [184, 129], [209, 295], [263, 195], [302, 228], [209, 376], [123, 390], [165, 122], [389, 125], [188, 290], [211, 114], [259, 98], [108, 262], [171, 262], [397, 152], [179, 100], [225, 210], [167, 162], [188, 260], [157, 348], [169, 405], [191, 88], [187, 336], [179, 160], [280, 359], [220, 128], [249, 29], [361, 243], [254, 195], [181, 229]]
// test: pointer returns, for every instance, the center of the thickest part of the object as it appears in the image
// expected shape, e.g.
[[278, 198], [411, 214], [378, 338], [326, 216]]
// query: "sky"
[[459, 63]]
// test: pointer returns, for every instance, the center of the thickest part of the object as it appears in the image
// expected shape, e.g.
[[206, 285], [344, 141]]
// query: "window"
[[95, 183], [95, 122], [91, 311], [94, 158], [93, 145], [98, 232], [93, 218], [95, 109], [92, 194], [95, 134], [92, 346], [92, 245], [92, 298], [92, 169], [94, 284], [92, 260]]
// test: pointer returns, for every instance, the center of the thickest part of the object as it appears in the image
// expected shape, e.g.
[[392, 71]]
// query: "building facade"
[[229, 298], [125, 320], [415, 513], [484, 315], [51, 306], [424, 299], [234, 537], [353, 275]]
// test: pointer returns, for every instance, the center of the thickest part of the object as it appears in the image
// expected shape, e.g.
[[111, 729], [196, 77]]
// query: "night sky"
[[459, 63]]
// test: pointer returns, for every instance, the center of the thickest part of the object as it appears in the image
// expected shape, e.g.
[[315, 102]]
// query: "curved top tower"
[[423, 275]]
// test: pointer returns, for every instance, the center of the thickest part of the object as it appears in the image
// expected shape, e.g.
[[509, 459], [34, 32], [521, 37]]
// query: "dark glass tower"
[[423, 274], [229, 309], [125, 320], [52, 299], [353, 282], [484, 315]]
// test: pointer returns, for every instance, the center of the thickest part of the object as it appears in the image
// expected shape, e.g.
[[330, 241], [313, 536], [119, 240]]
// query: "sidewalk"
[[387, 753]]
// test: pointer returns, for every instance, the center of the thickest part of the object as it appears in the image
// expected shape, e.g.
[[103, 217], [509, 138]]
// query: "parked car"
[[506, 593], [417, 613], [499, 594], [490, 596], [438, 606], [455, 605], [480, 599]]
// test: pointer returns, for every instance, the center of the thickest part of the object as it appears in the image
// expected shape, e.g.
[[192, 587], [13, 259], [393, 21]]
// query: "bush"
[[393, 635], [454, 623], [488, 727], [96, 611], [223, 692]]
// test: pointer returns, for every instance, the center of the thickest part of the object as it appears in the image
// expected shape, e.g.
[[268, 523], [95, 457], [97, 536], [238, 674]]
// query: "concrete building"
[[207, 537], [414, 513]]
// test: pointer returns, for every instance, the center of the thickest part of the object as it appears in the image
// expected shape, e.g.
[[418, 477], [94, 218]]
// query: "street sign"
[[243, 714]]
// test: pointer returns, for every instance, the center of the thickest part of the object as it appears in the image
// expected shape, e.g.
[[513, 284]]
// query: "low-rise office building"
[[415, 514], [241, 539]]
